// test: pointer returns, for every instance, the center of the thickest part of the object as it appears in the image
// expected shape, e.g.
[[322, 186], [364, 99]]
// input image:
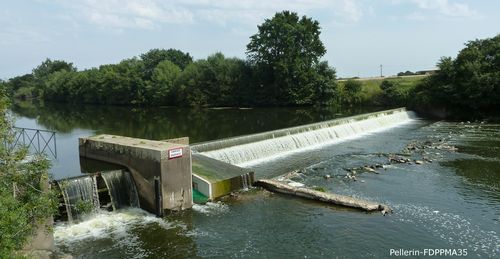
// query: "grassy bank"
[[372, 94]]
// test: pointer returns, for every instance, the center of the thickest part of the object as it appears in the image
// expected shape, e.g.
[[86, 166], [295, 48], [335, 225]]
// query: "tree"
[[23, 203], [467, 86], [213, 82], [393, 93], [164, 79], [50, 66], [155, 56], [351, 91], [325, 85], [285, 50]]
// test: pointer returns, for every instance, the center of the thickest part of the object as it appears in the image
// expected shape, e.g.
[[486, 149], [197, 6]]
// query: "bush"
[[24, 205]]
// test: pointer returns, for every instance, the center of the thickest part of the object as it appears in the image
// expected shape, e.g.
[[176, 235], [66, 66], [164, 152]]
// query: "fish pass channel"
[[451, 202]]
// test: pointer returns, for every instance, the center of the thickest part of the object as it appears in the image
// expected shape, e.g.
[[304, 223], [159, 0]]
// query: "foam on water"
[[211, 208], [113, 225]]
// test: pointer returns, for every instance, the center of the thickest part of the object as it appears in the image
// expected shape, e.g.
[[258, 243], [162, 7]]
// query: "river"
[[449, 200]]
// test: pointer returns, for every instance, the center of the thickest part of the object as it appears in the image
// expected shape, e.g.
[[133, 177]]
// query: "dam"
[[451, 202], [253, 149], [167, 180]]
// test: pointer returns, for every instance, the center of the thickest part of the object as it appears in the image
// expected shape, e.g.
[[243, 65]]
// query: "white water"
[[122, 189], [76, 191], [256, 152], [118, 226]]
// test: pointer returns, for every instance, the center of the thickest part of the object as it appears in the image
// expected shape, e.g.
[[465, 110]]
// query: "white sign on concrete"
[[174, 153]]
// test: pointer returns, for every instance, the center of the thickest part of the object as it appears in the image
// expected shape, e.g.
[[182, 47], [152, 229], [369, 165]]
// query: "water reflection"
[[171, 122]]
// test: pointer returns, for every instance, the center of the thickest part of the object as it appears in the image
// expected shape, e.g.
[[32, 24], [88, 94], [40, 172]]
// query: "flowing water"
[[450, 199], [122, 189], [81, 193], [76, 193], [258, 148]]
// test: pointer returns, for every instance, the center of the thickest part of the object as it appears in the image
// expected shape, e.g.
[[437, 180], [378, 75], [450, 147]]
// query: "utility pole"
[[381, 71]]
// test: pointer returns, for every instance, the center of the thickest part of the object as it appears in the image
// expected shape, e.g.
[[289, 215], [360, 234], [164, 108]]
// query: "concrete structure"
[[167, 164], [214, 178]]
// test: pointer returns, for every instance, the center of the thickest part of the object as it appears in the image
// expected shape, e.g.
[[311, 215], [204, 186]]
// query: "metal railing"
[[36, 140]]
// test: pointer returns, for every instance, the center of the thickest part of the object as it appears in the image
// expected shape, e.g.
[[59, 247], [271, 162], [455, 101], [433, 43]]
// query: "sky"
[[359, 35]]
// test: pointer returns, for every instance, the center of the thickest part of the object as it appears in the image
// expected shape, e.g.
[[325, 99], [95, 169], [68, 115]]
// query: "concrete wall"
[[177, 181], [146, 159]]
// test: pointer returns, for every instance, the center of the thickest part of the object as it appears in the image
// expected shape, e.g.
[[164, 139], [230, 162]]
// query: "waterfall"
[[247, 150], [121, 188], [83, 195], [246, 181], [79, 198]]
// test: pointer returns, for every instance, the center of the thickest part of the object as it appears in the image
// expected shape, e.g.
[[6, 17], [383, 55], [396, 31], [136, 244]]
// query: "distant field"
[[371, 86]]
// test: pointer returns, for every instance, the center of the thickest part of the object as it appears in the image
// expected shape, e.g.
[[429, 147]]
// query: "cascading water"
[[122, 189], [82, 194], [246, 181], [247, 150], [79, 198]]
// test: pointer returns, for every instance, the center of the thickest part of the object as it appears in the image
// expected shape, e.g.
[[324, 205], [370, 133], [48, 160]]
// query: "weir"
[[166, 172], [251, 149]]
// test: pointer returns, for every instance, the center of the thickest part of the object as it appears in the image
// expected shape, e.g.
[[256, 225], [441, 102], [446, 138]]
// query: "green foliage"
[[215, 81], [161, 89], [350, 94], [50, 66], [407, 73], [324, 84], [467, 86], [154, 57], [84, 207], [285, 51], [393, 93], [283, 69], [25, 201]]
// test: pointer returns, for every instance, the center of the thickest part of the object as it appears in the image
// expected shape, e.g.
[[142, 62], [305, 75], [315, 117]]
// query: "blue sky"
[[359, 35]]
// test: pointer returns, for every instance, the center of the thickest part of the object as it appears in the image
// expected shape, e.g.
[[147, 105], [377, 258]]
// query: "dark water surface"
[[452, 202]]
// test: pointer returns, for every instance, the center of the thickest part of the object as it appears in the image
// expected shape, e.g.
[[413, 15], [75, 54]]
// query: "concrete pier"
[[148, 160]]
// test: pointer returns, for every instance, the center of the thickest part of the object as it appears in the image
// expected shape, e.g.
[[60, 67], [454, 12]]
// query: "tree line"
[[283, 68]]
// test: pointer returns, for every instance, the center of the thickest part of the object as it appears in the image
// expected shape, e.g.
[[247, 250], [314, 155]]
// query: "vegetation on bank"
[[284, 72], [467, 86], [25, 203], [276, 73], [389, 91]]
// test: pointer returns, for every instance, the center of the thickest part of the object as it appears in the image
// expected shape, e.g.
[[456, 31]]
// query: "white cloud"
[[446, 8], [149, 14]]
